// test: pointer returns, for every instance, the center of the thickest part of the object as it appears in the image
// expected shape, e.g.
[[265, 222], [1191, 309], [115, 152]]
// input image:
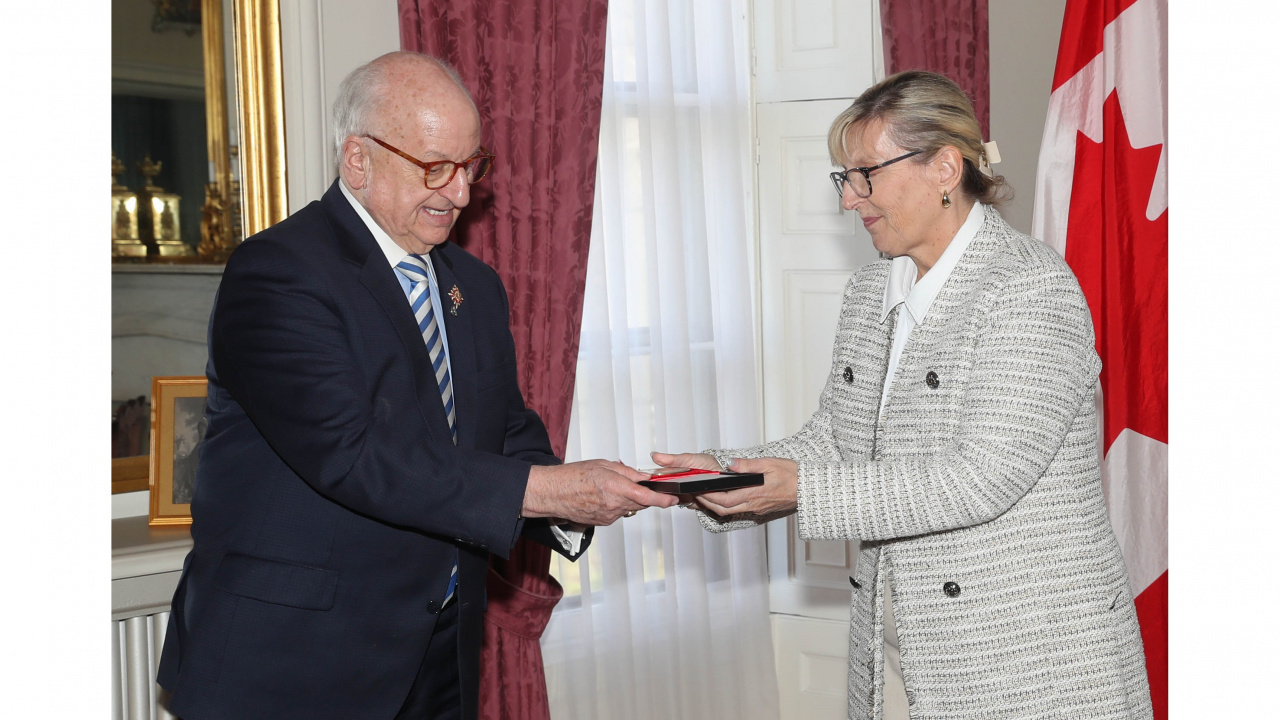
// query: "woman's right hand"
[[694, 461]]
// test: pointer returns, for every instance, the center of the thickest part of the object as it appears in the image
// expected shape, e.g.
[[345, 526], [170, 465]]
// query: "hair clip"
[[990, 156]]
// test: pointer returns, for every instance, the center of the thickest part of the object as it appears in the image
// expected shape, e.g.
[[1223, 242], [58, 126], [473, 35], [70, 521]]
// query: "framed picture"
[[177, 430], [130, 446]]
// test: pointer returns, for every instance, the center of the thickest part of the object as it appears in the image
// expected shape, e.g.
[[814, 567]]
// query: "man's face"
[[430, 121]]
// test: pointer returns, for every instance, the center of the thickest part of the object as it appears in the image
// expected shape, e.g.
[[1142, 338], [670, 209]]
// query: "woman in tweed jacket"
[[972, 480]]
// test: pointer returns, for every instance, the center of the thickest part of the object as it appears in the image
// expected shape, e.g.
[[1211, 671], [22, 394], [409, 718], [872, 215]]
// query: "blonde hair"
[[923, 111]]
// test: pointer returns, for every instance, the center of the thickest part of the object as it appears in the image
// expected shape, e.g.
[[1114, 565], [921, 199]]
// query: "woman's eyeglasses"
[[861, 181]]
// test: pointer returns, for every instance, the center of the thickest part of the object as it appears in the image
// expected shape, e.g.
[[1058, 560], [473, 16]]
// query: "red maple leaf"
[[1122, 261]]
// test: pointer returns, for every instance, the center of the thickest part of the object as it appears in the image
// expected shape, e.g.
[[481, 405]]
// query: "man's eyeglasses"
[[439, 173], [859, 178]]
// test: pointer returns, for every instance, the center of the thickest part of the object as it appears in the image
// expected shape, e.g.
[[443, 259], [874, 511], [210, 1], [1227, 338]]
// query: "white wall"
[[320, 43], [1024, 48]]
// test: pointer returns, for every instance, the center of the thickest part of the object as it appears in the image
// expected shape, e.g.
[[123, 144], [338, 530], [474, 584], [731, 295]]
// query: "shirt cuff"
[[570, 536]]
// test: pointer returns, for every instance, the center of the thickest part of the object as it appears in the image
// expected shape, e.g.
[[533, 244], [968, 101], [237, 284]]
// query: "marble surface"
[[159, 321]]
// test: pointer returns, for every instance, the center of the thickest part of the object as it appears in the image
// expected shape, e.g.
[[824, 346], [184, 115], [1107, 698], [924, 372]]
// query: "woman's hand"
[[694, 461], [778, 494]]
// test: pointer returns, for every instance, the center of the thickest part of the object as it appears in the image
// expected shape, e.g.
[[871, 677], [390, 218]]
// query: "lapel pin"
[[456, 296]]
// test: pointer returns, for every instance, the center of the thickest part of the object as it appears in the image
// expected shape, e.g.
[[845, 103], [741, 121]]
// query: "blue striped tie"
[[414, 268]]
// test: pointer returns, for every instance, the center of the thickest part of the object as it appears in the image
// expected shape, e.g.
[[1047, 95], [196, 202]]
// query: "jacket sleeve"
[[1034, 370], [281, 349], [812, 441], [527, 440]]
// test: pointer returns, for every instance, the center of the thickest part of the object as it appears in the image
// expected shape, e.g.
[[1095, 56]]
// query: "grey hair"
[[355, 109], [923, 111]]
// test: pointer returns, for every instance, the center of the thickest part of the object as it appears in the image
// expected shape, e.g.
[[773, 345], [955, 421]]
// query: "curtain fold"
[[662, 620], [535, 69], [943, 36]]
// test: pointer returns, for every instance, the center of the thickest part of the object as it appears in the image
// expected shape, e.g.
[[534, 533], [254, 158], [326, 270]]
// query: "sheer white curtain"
[[662, 620]]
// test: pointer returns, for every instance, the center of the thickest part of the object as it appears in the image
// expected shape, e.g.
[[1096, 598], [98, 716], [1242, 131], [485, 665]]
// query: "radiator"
[[135, 653]]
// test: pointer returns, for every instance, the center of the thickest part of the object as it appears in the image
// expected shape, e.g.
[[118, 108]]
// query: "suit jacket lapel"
[[976, 256], [379, 279], [462, 348], [964, 276]]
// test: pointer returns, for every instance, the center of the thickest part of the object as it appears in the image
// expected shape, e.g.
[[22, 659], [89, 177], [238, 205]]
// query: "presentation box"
[[687, 481]]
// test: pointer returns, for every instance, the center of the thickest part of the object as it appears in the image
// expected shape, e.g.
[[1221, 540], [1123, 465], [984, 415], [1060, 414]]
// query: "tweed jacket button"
[[433, 606], [931, 379], [848, 374], [856, 585], [951, 589]]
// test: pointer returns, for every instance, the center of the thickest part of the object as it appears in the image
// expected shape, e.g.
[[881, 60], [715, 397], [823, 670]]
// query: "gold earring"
[[946, 199]]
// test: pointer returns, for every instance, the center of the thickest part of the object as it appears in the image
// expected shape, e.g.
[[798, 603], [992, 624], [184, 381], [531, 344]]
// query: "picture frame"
[[177, 431]]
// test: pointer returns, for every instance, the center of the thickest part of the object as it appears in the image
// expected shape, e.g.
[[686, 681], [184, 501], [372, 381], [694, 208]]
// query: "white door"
[[812, 58]]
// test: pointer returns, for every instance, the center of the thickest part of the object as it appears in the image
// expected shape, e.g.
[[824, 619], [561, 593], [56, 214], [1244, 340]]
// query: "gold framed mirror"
[[243, 190], [257, 42], [262, 183], [220, 228]]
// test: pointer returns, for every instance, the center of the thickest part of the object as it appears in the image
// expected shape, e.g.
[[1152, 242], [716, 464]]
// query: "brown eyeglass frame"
[[426, 166]]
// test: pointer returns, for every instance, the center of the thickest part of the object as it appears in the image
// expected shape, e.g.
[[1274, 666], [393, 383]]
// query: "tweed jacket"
[[976, 495]]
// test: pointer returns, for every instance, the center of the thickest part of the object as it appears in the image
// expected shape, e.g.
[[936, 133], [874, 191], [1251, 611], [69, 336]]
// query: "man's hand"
[[777, 494], [591, 492]]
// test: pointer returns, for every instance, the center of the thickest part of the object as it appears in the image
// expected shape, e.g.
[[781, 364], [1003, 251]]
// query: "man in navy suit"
[[364, 456]]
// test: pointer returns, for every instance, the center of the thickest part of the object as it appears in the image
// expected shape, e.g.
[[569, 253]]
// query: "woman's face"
[[903, 212]]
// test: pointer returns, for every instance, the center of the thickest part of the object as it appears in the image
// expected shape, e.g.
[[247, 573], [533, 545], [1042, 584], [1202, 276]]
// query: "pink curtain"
[[536, 68], [943, 36]]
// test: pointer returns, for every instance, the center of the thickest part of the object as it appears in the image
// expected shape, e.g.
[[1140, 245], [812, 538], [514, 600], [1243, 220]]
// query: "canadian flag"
[[1102, 201]]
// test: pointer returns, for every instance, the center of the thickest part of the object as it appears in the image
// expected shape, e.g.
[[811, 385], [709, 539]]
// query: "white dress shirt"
[[571, 536], [918, 295], [395, 254]]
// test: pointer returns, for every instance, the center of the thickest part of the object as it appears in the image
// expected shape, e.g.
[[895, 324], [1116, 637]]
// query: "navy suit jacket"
[[330, 500]]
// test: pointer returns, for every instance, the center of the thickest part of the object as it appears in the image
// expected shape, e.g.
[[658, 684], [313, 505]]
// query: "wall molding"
[[320, 43]]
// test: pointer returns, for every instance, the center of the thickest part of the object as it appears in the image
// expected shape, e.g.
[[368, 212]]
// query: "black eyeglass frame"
[[839, 178], [427, 166]]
